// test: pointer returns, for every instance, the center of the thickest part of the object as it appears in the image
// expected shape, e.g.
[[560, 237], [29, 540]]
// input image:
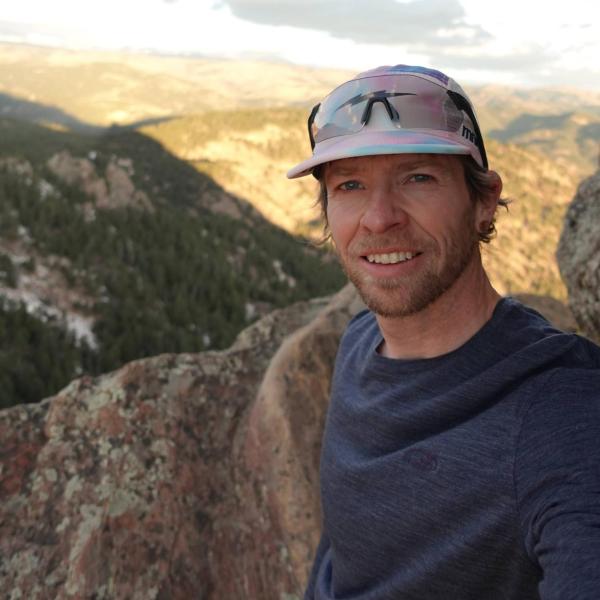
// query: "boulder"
[[176, 477], [191, 476], [578, 256]]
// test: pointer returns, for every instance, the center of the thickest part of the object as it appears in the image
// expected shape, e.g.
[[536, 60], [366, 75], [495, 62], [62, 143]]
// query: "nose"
[[383, 210]]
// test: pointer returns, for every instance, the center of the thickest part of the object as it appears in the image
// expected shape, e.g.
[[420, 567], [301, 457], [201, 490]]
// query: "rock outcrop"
[[115, 190], [578, 256], [177, 477]]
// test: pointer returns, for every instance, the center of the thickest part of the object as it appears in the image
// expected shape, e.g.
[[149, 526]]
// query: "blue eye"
[[420, 178], [348, 186]]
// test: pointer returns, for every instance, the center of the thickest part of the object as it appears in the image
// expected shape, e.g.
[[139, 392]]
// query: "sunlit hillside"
[[104, 88], [521, 258], [249, 152]]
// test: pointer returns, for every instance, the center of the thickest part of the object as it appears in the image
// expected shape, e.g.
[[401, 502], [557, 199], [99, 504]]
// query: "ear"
[[486, 206]]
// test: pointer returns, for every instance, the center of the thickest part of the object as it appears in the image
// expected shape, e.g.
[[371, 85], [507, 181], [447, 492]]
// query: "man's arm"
[[557, 482]]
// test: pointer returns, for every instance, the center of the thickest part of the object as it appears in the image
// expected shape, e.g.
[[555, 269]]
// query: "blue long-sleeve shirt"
[[473, 475]]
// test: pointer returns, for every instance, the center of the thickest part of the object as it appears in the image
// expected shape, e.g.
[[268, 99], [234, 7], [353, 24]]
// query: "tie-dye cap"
[[393, 110]]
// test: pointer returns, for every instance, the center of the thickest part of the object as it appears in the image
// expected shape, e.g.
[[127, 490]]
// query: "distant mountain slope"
[[248, 151], [499, 105], [522, 258], [571, 138], [562, 124], [102, 88], [134, 251]]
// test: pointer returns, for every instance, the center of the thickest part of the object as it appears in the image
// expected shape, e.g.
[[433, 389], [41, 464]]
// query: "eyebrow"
[[343, 171]]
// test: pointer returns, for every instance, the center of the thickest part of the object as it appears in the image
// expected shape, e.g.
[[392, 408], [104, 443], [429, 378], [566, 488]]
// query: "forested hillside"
[[167, 262]]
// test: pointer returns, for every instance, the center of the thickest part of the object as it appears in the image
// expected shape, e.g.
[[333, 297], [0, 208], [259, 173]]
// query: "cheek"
[[446, 228], [343, 223]]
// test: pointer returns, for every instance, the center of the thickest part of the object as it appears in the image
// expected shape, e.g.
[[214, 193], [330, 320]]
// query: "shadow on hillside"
[[145, 122], [43, 114], [591, 132], [37, 132], [33, 112]]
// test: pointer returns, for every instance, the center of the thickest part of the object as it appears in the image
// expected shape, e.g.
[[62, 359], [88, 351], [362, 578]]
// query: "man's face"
[[404, 227]]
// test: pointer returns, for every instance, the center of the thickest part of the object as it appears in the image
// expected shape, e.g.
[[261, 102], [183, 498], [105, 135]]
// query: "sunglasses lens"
[[418, 103]]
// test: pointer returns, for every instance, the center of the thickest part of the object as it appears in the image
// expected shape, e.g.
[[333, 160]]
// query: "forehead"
[[393, 161]]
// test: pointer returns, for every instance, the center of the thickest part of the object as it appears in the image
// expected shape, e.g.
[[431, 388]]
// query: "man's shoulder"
[[569, 364], [518, 315], [521, 327]]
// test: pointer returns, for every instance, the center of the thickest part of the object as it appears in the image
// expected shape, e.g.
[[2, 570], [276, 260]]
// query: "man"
[[461, 454]]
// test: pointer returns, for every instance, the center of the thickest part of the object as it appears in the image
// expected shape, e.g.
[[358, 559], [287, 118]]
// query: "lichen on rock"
[[179, 476], [578, 256]]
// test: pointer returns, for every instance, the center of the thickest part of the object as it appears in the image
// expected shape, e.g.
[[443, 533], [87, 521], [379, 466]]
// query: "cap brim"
[[378, 142]]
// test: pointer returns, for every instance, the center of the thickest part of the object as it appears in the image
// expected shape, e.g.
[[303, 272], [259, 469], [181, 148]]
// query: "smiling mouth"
[[391, 258]]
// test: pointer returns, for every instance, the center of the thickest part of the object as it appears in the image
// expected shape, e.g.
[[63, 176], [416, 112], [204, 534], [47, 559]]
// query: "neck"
[[446, 324]]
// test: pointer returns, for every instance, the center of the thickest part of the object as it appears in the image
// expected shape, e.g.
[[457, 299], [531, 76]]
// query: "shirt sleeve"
[[557, 483]]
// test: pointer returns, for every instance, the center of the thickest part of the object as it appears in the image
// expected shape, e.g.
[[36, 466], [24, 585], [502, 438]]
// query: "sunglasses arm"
[[311, 119]]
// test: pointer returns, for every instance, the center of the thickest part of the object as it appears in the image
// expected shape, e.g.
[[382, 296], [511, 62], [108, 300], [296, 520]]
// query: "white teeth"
[[391, 258]]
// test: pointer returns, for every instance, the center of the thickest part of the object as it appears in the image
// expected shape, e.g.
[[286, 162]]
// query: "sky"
[[512, 42]]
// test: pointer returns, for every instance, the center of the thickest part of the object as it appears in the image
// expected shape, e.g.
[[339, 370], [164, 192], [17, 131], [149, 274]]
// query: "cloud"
[[33, 33], [387, 22], [437, 30], [530, 60]]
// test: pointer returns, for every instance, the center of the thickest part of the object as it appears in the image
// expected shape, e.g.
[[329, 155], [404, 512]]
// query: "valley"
[[144, 206]]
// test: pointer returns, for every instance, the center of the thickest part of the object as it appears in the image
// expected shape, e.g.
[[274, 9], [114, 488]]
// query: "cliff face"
[[181, 476], [578, 256]]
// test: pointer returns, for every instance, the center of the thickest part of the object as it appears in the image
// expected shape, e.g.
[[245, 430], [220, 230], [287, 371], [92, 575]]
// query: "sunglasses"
[[411, 102]]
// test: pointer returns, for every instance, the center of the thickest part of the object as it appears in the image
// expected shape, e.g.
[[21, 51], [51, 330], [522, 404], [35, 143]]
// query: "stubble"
[[403, 296]]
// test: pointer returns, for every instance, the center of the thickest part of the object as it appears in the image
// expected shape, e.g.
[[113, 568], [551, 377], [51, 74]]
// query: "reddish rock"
[[176, 477]]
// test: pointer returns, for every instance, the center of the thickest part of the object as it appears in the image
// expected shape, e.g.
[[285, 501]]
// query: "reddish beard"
[[403, 296]]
